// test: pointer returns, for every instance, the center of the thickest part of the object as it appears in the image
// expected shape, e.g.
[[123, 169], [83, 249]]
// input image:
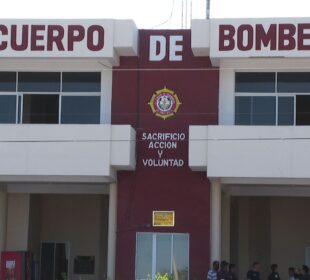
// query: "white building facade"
[[63, 163], [59, 153], [257, 158]]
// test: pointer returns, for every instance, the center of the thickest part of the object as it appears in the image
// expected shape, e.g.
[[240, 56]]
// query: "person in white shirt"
[[212, 274]]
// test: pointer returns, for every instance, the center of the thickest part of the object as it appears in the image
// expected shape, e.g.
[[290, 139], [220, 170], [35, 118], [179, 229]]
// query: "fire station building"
[[125, 153]]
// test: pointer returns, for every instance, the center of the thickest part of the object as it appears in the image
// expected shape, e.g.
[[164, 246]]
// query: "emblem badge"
[[164, 103]]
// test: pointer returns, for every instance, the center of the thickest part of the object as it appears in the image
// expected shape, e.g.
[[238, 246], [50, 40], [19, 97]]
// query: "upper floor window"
[[7, 81], [81, 82], [50, 97], [270, 98], [293, 82], [39, 82], [255, 82]]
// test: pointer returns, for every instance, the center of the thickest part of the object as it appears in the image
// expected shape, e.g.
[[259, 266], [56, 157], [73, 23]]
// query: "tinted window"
[[286, 110], [264, 110], [40, 108], [302, 109], [255, 110], [255, 82], [243, 110], [293, 82], [38, 82], [7, 108], [80, 109], [7, 81], [81, 82]]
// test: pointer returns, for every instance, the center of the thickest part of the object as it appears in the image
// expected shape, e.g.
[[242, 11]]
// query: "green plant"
[[159, 276], [64, 276]]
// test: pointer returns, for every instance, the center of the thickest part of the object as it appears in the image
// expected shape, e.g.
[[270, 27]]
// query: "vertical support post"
[[3, 220], [215, 242], [17, 231], [112, 231], [225, 227]]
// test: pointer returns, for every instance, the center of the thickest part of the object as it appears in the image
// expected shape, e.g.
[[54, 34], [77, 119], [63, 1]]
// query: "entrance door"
[[54, 261], [162, 254]]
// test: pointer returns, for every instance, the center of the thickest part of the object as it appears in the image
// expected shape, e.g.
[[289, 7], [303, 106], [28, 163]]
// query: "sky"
[[153, 13]]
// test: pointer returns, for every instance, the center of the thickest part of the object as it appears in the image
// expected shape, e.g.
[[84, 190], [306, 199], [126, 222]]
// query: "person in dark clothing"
[[305, 272], [223, 272], [274, 275], [232, 272], [253, 274], [298, 274], [292, 274]]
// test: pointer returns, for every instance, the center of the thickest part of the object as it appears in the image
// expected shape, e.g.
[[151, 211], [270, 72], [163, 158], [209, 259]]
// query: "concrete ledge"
[[242, 153], [198, 146], [70, 153]]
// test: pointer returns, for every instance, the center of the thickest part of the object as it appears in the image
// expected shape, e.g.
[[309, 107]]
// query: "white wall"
[[227, 96], [65, 152], [256, 154]]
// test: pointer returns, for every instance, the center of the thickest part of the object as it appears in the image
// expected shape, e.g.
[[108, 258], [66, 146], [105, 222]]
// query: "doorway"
[[54, 260]]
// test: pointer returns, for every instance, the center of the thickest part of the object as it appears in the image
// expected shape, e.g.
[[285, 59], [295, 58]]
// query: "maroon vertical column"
[[161, 93]]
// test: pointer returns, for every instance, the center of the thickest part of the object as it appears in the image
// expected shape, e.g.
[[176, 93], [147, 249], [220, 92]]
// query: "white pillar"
[[3, 219], [225, 227], [215, 242], [112, 231], [17, 222]]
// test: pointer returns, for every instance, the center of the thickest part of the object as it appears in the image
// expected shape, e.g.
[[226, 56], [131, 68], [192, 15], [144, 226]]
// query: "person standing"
[[253, 274], [232, 272], [212, 273], [223, 272], [274, 275], [305, 272], [291, 273]]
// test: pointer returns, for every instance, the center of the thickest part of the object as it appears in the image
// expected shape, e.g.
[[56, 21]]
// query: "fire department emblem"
[[165, 103]]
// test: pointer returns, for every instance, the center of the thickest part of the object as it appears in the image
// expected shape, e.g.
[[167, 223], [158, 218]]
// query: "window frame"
[[154, 243], [19, 101], [269, 94]]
